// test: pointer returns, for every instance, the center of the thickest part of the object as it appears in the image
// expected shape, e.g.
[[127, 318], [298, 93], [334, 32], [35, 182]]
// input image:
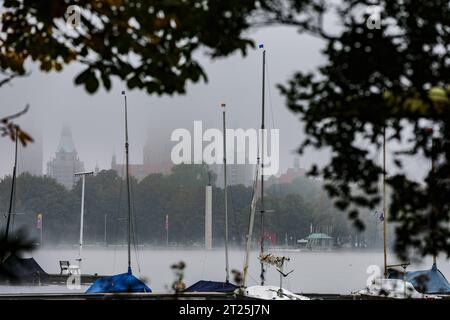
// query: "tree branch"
[[9, 128]]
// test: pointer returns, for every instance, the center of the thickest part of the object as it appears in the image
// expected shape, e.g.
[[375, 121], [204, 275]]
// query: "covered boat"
[[393, 288], [430, 281], [211, 286], [16, 270], [119, 283]]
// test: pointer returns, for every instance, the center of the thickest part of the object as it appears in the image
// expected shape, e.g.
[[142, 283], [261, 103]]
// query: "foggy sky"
[[97, 120]]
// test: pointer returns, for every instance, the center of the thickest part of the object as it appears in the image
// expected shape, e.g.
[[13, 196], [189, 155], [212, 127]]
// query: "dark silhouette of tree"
[[391, 76], [148, 44]]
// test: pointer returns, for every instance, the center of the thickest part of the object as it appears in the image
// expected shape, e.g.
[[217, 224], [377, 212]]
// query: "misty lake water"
[[314, 272]]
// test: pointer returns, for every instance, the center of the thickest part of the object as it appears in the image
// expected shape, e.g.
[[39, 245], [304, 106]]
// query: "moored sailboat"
[[218, 286], [265, 292], [429, 281], [124, 282], [385, 286]]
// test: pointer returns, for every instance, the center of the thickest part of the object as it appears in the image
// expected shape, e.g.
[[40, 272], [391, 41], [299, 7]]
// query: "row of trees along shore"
[[181, 196]]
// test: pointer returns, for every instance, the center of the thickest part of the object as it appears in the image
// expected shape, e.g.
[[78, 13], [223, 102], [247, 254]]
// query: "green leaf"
[[91, 83], [82, 77], [106, 81]]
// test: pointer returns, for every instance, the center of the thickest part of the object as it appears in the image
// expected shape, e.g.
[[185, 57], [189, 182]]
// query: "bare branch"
[[9, 128], [15, 115], [8, 77]]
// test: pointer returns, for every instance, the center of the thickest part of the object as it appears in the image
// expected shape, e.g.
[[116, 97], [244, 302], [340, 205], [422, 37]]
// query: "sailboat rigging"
[[125, 282], [13, 187], [217, 286], [127, 183], [263, 291], [262, 276], [384, 205], [263, 210], [391, 284], [227, 278], [250, 226], [14, 269], [382, 285], [429, 281]]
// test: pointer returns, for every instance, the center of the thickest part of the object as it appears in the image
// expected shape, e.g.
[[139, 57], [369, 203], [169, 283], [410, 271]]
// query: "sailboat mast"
[[13, 186], [227, 279], [384, 204], [433, 210], [262, 161], [81, 219], [128, 183], [250, 226]]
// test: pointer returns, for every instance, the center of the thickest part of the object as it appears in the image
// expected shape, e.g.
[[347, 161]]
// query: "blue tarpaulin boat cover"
[[119, 283], [430, 281], [211, 286]]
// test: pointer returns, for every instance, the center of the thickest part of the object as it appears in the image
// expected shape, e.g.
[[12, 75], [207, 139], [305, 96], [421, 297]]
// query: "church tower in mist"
[[66, 162]]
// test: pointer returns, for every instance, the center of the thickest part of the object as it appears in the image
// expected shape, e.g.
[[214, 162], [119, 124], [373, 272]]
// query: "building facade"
[[65, 162], [290, 175], [236, 174], [156, 159]]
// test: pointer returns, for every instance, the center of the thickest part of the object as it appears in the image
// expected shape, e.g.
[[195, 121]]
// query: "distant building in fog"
[[157, 154], [236, 173], [156, 159], [31, 157], [289, 175], [65, 163]]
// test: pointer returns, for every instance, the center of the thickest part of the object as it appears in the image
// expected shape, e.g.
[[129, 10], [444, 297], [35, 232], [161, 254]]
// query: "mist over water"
[[315, 272]]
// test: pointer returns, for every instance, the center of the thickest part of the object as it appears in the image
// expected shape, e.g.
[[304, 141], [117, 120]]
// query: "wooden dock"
[[86, 279]]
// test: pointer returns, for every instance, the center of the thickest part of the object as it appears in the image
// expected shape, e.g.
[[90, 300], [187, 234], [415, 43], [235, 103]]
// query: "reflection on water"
[[315, 272]]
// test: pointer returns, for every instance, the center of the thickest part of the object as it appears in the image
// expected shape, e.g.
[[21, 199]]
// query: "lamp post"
[[83, 177]]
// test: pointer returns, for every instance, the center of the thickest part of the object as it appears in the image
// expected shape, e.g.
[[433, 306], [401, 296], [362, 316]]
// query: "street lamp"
[[83, 176]]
